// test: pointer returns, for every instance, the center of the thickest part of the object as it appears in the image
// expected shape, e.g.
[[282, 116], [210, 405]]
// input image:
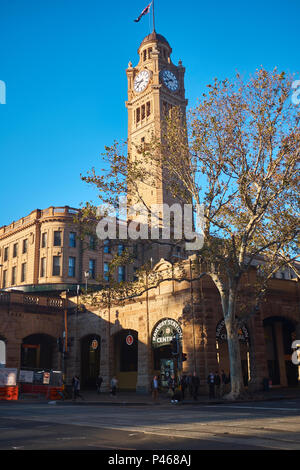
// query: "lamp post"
[[87, 276]]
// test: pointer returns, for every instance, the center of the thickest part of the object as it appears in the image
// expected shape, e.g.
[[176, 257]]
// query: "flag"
[[144, 12]]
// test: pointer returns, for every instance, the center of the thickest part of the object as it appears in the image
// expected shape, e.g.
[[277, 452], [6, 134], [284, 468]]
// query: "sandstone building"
[[43, 261]]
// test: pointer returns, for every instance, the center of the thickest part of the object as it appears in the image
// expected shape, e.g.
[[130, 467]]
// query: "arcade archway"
[[90, 360], [279, 335], [126, 359], [222, 350], [37, 352]]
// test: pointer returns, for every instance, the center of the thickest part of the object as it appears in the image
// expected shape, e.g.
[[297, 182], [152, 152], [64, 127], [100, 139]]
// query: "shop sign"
[[221, 333], [164, 332], [129, 340], [46, 378]]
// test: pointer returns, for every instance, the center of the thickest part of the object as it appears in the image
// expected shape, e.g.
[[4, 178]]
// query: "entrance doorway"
[[279, 335], [164, 364], [90, 360], [126, 359]]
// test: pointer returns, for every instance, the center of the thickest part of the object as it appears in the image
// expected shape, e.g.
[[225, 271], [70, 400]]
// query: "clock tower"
[[155, 86]]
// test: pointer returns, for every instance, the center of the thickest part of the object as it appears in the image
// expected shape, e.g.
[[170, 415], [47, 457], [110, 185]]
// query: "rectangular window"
[[72, 240], [15, 250], [107, 246], [138, 115], [92, 242], [143, 112], [25, 246], [23, 272], [4, 281], [72, 264], [56, 266], [44, 240], [148, 108], [57, 239], [14, 275], [121, 274], [43, 267], [120, 249], [92, 268], [106, 271], [6, 253]]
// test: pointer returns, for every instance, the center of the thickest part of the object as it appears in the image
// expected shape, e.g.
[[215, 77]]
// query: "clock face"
[[141, 81], [170, 80]]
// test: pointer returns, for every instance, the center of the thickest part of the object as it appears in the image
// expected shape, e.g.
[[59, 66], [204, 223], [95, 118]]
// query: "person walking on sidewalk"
[[99, 383], [76, 388], [114, 384], [218, 384], [172, 386], [154, 388], [211, 384]]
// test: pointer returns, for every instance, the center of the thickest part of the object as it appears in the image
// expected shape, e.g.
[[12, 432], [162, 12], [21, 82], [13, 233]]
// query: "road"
[[241, 426]]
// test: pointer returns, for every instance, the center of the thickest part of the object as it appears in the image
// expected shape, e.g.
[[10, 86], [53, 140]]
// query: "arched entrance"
[[164, 362], [126, 359], [37, 352], [90, 360], [279, 335], [222, 350]]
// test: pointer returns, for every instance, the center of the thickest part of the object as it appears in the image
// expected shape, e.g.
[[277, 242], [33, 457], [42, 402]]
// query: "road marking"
[[256, 408]]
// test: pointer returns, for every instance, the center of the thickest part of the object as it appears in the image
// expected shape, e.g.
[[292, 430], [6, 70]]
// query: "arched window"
[[2, 352]]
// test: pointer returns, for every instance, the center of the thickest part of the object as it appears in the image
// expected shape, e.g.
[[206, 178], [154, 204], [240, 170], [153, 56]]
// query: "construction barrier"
[[9, 393], [50, 392]]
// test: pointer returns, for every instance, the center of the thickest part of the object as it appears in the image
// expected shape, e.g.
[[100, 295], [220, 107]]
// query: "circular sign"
[[221, 333], [94, 344], [129, 340], [164, 332]]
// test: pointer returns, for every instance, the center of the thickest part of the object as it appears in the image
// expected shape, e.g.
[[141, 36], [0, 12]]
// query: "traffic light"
[[184, 357]]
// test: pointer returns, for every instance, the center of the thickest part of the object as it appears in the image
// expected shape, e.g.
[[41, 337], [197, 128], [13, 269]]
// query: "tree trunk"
[[236, 376]]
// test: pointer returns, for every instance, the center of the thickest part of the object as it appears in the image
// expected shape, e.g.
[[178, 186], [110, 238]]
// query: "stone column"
[[258, 354], [280, 354], [13, 353]]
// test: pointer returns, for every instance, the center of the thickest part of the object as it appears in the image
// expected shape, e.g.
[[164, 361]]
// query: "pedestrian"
[[76, 388], [218, 384], [211, 384], [183, 384], [172, 386], [196, 385], [224, 381], [190, 384], [99, 383], [114, 384], [155, 388]]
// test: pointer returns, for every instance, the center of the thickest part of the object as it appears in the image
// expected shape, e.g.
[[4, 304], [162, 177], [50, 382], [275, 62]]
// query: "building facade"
[[42, 254]]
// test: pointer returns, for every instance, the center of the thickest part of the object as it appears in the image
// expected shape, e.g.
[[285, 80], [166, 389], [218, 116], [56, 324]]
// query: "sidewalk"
[[137, 399]]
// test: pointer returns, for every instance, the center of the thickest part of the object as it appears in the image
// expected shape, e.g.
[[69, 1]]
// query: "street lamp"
[[87, 276]]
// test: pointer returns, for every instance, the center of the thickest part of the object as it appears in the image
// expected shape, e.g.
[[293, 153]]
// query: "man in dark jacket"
[[218, 384], [211, 384]]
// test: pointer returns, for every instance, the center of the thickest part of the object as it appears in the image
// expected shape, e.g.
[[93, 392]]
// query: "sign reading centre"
[[164, 332]]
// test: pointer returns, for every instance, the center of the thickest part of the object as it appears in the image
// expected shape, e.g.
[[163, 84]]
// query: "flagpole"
[[153, 13]]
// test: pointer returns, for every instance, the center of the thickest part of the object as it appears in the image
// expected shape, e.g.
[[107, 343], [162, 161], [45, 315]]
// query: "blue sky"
[[63, 63]]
